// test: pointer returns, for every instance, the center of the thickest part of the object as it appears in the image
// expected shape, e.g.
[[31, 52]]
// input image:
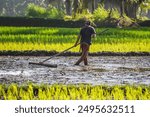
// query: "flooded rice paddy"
[[109, 70]]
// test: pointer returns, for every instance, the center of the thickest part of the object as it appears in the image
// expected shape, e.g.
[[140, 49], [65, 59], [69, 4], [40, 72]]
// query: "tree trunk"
[[75, 7], [107, 4], [59, 4], [122, 8], [148, 14], [131, 8], [68, 7], [84, 5], [93, 6], [96, 3]]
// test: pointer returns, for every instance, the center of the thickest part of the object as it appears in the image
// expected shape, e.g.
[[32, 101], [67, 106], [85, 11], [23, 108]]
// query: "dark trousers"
[[85, 50]]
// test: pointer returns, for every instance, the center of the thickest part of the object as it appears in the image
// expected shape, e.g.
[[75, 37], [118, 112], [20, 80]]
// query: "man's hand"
[[77, 42]]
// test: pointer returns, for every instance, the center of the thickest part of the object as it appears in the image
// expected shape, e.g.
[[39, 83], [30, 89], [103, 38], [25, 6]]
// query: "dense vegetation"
[[73, 92], [76, 9], [58, 39]]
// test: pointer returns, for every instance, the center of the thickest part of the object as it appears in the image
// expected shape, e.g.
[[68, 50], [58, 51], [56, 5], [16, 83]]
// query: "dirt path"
[[102, 70]]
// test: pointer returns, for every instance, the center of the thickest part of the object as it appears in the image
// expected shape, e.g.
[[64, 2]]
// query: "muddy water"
[[101, 70]]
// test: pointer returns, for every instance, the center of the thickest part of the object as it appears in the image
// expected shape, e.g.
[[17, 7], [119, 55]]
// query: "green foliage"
[[115, 14], [68, 18], [36, 11], [54, 13], [100, 13], [41, 12], [143, 18], [145, 5], [74, 92], [85, 15]]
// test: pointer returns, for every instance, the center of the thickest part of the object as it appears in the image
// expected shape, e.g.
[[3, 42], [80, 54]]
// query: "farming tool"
[[55, 65], [103, 31], [51, 65]]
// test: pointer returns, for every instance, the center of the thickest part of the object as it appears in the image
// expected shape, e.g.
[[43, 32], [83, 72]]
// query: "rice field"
[[73, 92], [58, 39]]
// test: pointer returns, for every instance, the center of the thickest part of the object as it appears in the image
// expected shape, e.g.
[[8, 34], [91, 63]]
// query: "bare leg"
[[83, 57], [85, 61]]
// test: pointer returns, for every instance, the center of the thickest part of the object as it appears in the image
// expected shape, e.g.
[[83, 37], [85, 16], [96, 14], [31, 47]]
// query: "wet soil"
[[51, 53], [109, 70]]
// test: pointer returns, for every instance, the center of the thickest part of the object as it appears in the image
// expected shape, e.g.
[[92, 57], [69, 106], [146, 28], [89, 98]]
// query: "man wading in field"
[[86, 33]]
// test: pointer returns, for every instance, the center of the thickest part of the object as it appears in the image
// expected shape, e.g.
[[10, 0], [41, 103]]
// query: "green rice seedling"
[[49, 39], [145, 93], [26, 92], [30, 91], [52, 90], [63, 95], [3, 95], [41, 94], [1, 91], [142, 93], [23, 94], [48, 93], [83, 91], [97, 93], [57, 92], [117, 93], [10, 96], [64, 91], [131, 93], [74, 92], [12, 92], [107, 93]]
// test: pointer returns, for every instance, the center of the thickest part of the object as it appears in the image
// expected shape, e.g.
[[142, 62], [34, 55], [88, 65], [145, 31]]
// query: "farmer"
[[86, 33]]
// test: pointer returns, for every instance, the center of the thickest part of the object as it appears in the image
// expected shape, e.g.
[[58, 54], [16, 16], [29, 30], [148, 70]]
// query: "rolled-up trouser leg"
[[85, 49]]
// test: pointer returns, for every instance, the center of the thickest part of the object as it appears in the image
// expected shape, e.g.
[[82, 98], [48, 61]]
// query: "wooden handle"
[[59, 53]]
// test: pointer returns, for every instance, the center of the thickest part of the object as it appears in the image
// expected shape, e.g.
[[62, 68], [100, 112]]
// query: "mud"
[[109, 70], [50, 53]]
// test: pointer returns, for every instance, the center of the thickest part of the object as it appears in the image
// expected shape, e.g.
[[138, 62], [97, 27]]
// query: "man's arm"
[[79, 37], [93, 33]]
